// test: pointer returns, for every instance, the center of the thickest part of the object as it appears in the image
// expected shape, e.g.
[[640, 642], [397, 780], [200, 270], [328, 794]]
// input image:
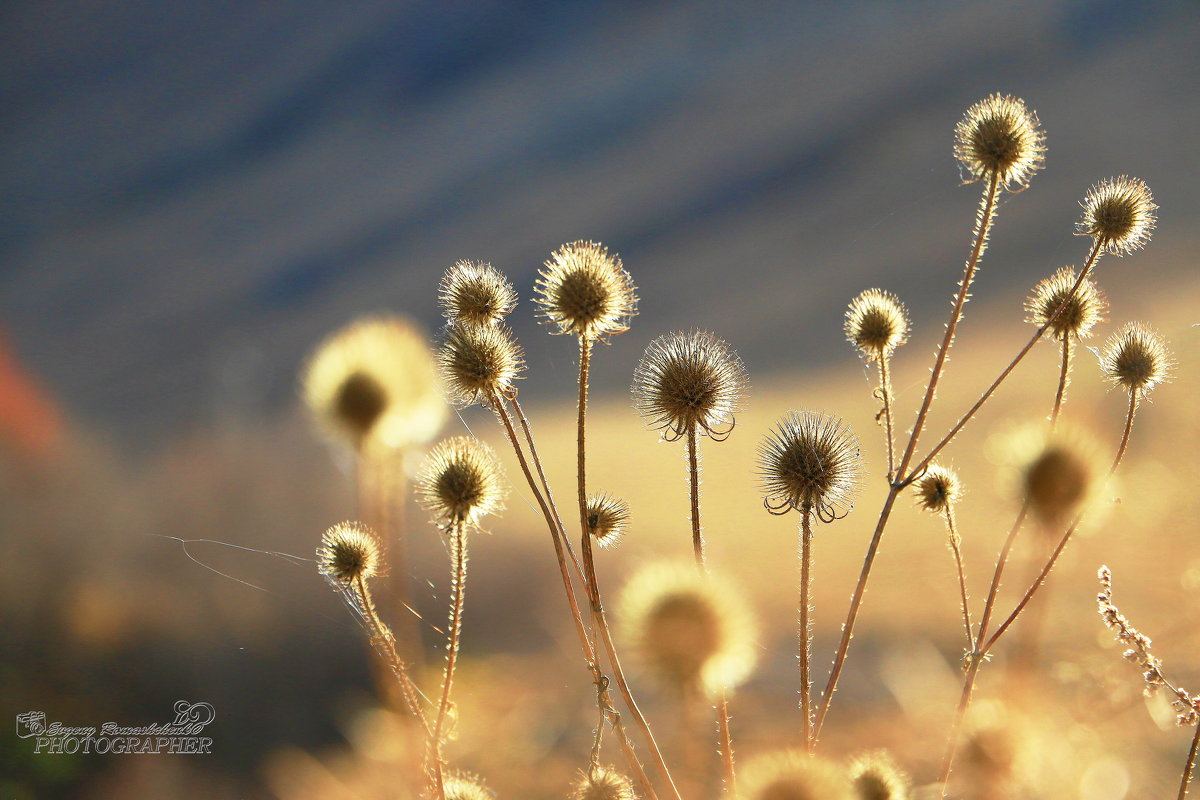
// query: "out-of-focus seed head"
[[1080, 311], [463, 786], [1000, 136], [461, 481], [1136, 358], [810, 461], [479, 363], [607, 519], [875, 776], [876, 323], [476, 293], [689, 381], [1058, 472], [584, 291], [1118, 214], [938, 489], [793, 775], [604, 783], [348, 551]]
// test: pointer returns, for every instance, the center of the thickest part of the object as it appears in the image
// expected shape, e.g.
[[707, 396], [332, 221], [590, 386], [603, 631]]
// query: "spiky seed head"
[[938, 489], [374, 384], [810, 460], [463, 786], [479, 363], [1057, 471], [348, 551], [793, 775], [607, 518], [1079, 311], [604, 783], [1136, 358], [689, 381], [1118, 214], [475, 293], [584, 291], [876, 323], [461, 481], [875, 776], [1000, 136], [691, 631]]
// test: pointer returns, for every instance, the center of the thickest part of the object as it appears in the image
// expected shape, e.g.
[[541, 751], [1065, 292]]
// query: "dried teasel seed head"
[[1136, 358], [876, 323], [348, 551], [1058, 472], [690, 381], [607, 518], [463, 786], [475, 293], [999, 136], [793, 775], [810, 460], [938, 489], [875, 776], [584, 291], [1119, 214], [1077, 313], [691, 631], [479, 363], [604, 783], [461, 481], [374, 384]]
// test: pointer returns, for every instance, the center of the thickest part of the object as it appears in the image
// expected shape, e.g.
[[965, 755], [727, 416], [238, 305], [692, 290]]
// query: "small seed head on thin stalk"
[[876, 323], [1136, 358], [1058, 471], [479, 363], [938, 489], [604, 783], [1079, 311], [476, 293], [689, 381], [607, 519], [1118, 214], [875, 776], [793, 775], [463, 786], [584, 291], [1000, 136], [461, 481], [348, 551], [810, 460]]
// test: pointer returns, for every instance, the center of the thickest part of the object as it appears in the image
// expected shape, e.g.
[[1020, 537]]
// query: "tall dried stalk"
[[806, 627], [458, 559]]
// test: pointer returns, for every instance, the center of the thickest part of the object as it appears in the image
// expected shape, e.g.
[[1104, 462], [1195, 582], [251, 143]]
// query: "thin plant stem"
[[806, 626], [885, 389], [955, 542], [1064, 378], [381, 637], [1189, 766], [458, 587]]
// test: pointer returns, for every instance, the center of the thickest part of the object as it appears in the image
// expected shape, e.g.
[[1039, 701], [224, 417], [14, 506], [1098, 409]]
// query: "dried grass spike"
[[348, 552], [999, 136], [690, 381], [1119, 214], [1079, 313], [476, 293], [479, 363], [810, 460], [604, 783], [584, 291], [876, 323], [461, 481], [1136, 358], [607, 519]]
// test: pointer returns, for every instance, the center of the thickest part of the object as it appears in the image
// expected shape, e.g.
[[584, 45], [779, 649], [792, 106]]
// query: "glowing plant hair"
[[585, 292], [476, 293], [875, 776], [603, 783], [876, 323], [689, 381], [461, 481], [999, 136], [1118, 214], [479, 363], [607, 518], [463, 786], [1136, 358], [349, 551], [793, 775], [810, 460], [1080, 311]]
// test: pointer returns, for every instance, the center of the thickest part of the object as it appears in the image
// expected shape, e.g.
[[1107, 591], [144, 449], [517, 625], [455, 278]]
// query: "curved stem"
[[955, 542], [1064, 379], [382, 638], [1189, 766], [458, 559], [885, 388], [806, 626]]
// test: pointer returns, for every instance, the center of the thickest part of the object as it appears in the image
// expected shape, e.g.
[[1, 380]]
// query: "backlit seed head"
[[584, 291], [875, 776], [938, 489], [1136, 358], [605, 783], [607, 518], [461, 481], [1079, 311], [374, 384], [689, 381], [1000, 136], [1119, 214], [1057, 471], [462, 786], [691, 631], [793, 775], [810, 461], [876, 323], [476, 293], [479, 363], [348, 551]]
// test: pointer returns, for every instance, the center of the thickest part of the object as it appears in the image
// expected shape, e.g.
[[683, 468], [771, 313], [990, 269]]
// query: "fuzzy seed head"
[[1119, 214], [876, 323], [938, 489], [476, 293], [461, 481], [875, 776], [793, 775], [690, 381], [1077, 313], [605, 783], [479, 363], [1057, 471], [348, 551], [1000, 136], [462, 786], [584, 291], [1136, 358], [810, 461], [607, 519]]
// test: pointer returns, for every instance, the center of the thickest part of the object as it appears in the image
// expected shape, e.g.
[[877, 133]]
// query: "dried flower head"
[[1136, 358], [875, 776], [690, 630], [375, 384], [607, 518], [462, 786], [810, 460], [689, 381], [793, 775], [1074, 314], [461, 481], [479, 363], [876, 323], [938, 489], [348, 551], [604, 783], [1057, 471], [1119, 214], [584, 291], [475, 293], [1000, 136]]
